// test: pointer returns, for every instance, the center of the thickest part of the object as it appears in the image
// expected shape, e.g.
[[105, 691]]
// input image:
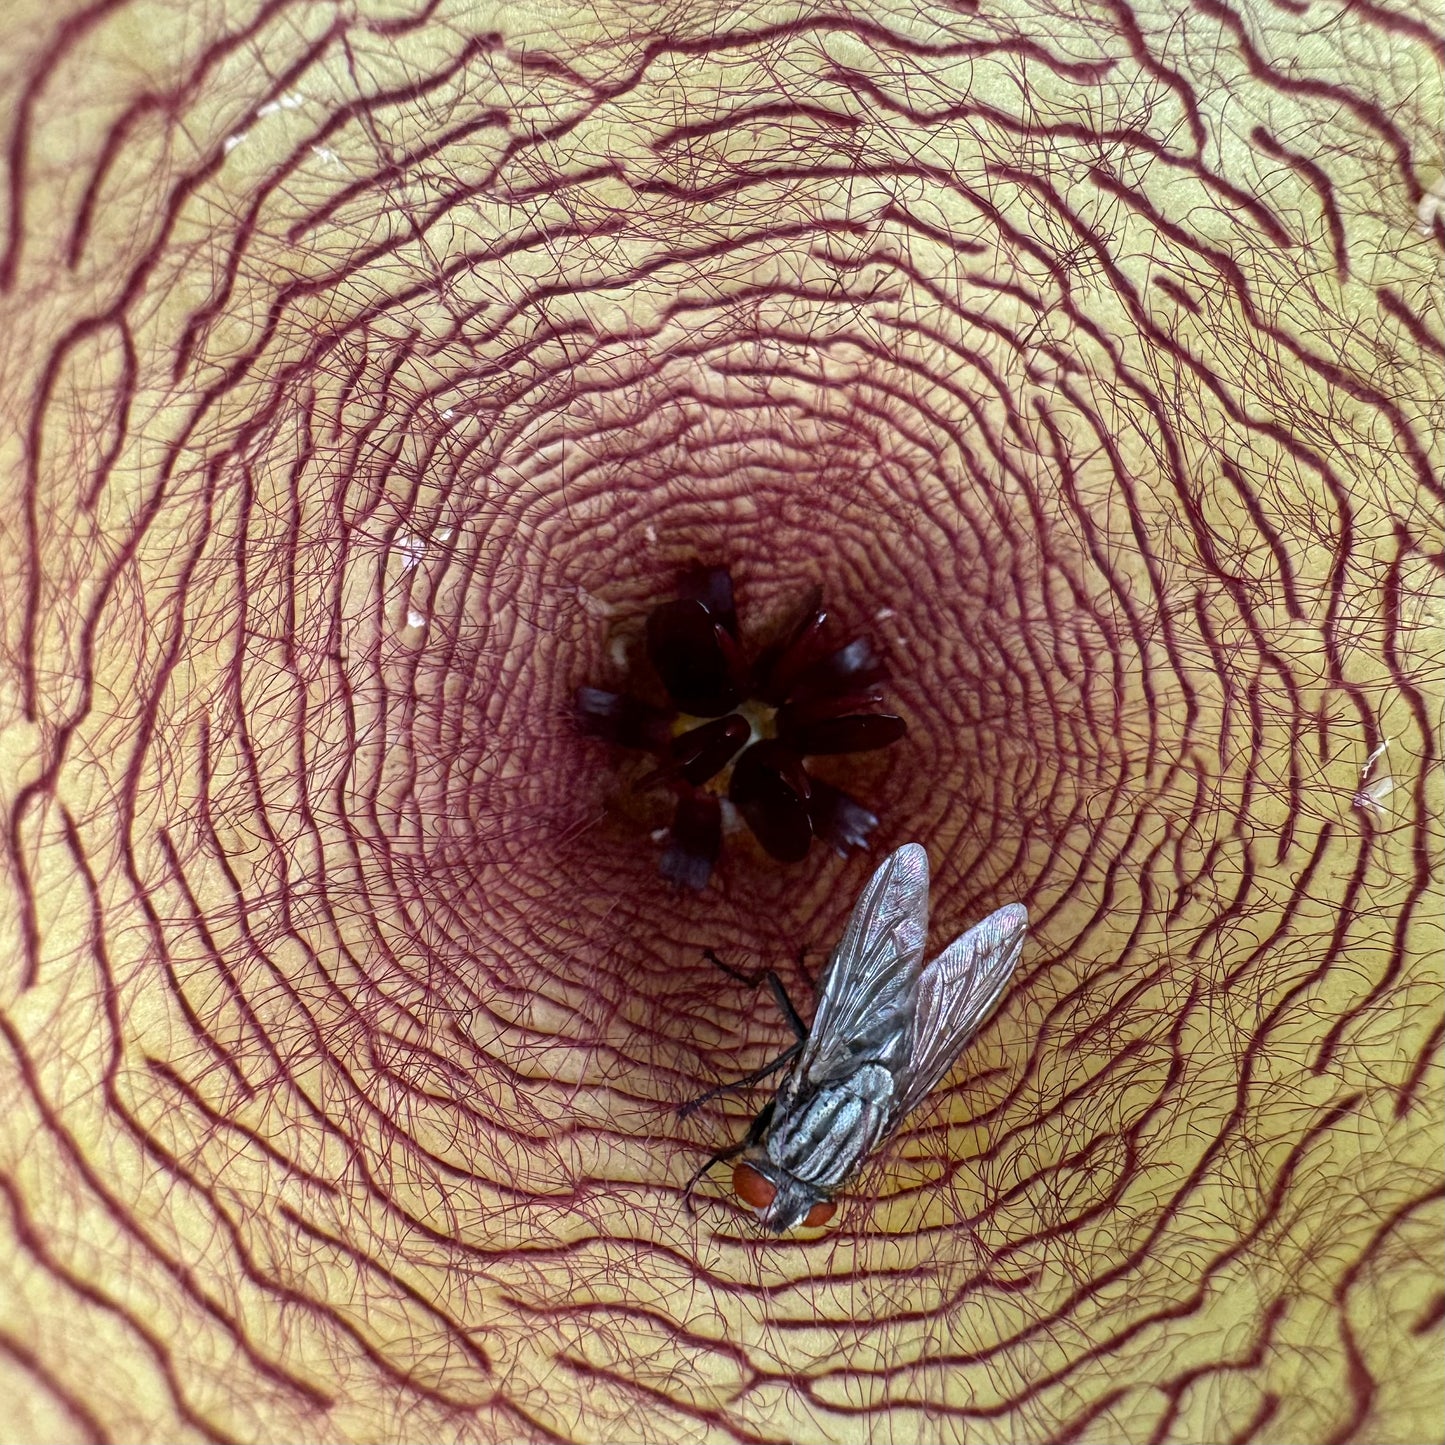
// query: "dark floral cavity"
[[737, 733]]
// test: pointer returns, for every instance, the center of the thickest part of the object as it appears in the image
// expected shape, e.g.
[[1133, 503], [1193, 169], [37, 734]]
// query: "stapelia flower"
[[743, 730]]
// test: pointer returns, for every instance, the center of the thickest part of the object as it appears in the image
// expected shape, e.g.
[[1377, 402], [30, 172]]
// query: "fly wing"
[[867, 995], [956, 993]]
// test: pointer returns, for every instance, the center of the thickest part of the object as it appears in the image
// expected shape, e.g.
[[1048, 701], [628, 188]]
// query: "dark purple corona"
[[740, 727]]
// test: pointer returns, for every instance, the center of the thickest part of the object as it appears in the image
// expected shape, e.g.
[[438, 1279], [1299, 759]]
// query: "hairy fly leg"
[[756, 1130], [795, 1022]]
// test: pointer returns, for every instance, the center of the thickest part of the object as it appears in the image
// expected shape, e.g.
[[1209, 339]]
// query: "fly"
[[887, 1028]]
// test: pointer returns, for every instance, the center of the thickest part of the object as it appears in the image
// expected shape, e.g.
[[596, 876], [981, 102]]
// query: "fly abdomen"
[[823, 1142]]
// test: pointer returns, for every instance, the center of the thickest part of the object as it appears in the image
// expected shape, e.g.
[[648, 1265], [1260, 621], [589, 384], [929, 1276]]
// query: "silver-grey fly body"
[[887, 1028]]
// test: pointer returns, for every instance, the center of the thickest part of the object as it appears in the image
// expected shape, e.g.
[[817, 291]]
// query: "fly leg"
[[746, 1082], [756, 1130], [799, 1028]]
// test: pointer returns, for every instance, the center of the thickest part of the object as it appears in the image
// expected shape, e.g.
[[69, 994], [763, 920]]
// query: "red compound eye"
[[820, 1213], [751, 1187]]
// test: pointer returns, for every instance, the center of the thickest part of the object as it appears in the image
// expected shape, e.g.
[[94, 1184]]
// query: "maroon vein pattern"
[[361, 366]]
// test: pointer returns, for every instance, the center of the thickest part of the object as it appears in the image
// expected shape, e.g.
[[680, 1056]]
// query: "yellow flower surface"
[[370, 370]]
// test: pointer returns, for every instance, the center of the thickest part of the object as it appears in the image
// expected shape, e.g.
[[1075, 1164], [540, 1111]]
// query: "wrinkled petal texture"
[[366, 368]]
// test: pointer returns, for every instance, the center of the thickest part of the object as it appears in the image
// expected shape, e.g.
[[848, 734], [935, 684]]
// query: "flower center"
[[762, 720]]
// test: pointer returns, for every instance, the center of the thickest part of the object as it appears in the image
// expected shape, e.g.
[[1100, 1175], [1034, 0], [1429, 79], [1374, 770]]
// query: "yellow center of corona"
[[761, 719]]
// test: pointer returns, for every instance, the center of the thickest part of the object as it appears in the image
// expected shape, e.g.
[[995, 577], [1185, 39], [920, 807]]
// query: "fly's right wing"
[[867, 996], [956, 993]]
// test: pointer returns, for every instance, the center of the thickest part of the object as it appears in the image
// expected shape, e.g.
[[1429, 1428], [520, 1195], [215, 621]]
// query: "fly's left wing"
[[956, 993], [866, 998]]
